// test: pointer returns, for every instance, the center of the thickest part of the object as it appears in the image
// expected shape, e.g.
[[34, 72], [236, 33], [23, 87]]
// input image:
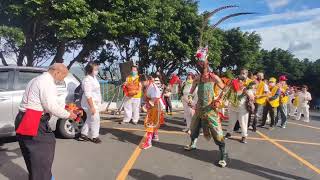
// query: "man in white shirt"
[[303, 106], [36, 140]]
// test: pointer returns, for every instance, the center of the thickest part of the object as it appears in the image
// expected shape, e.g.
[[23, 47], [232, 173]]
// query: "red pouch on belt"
[[30, 123]]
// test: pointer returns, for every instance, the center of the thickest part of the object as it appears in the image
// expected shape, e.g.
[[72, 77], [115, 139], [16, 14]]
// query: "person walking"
[[260, 97], [303, 106], [90, 102], [155, 116], [167, 98], [237, 110], [272, 103], [282, 110], [188, 101], [36, 139], [133, 93]]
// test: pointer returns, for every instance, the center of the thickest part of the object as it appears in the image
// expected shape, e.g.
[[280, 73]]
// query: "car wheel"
[[70, 129]]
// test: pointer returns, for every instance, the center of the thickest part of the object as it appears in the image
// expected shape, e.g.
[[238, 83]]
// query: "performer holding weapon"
[[206, 114]]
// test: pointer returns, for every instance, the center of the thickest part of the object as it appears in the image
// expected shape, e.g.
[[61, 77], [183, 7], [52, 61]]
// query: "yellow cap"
[[274, 80]]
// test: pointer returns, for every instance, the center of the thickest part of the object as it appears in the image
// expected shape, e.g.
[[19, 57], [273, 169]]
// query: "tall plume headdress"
[[203, 50]]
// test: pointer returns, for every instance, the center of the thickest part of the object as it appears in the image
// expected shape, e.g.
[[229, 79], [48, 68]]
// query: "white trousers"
[[92, 125], [242, 116], [187, 113], [293, 110], [131, 109], [305, 111]]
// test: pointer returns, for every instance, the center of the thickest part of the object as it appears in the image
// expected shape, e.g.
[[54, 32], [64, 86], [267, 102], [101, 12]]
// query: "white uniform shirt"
[[91, 89], [304, 98], [158, 83], [154, 92], [41, 95]]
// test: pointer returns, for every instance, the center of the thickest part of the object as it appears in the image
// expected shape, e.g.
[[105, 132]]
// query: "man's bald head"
[[260, 76], [59, 71]]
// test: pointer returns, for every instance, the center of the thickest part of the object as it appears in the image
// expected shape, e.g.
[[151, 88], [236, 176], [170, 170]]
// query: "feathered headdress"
[[202, 52]]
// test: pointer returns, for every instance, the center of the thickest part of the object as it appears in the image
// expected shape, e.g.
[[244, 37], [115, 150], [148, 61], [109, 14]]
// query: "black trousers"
[[38, 151], [253, 120], [272, 111], [168, 104]]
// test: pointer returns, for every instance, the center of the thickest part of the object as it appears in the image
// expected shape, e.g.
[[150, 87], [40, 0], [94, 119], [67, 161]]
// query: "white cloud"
[[302, 39], [275, 4], [296, 15], [295, 46]]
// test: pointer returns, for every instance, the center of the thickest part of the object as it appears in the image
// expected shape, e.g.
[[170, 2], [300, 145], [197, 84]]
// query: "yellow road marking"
[[303, 125], [133, 158], [106, 121], [278, 140], [292, 154], [297, 142], [235, 137]]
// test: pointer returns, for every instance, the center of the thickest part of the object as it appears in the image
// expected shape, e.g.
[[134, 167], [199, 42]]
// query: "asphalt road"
[[291, 153]]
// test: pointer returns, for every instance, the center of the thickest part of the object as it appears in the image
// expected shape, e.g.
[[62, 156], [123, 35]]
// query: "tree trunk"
[[21, 56], [3, 60], [85, 52], [143, 54], [61, 49]]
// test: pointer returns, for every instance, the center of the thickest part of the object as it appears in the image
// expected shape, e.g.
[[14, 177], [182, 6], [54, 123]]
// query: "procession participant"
[[188, 101], [239, 95], [90, 102], [295, 101], [260, 97], [155, 115], [272, 103], [133, 93], [206, 114], [303, 106], [36, 140], [291, 98], [282, 110], [167, 98], [244, 75]]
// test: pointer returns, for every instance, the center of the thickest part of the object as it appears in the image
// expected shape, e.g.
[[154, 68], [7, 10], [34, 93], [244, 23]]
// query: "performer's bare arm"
[[194, 85], [218, 81]]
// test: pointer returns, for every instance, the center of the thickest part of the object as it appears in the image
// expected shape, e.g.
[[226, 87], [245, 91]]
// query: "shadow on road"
[[140, 174], [8, 168], [203, 155]]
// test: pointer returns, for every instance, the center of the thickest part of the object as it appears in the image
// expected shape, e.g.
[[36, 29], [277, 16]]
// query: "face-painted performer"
[[206, 113]]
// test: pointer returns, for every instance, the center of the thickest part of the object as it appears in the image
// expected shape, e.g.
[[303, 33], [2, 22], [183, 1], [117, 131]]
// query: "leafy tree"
[[240, 50]]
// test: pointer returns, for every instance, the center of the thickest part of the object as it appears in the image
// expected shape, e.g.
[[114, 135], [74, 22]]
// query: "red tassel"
[[236, 85]]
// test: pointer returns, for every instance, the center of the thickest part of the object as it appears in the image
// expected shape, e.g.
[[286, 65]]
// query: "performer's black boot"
[[223, 157], [192, 146]]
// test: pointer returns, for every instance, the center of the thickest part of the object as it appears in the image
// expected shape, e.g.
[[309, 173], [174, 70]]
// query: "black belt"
[[44, 118]]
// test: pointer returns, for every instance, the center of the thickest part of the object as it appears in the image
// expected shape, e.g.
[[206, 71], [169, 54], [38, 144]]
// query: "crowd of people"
[[248, 101], [207, 101]]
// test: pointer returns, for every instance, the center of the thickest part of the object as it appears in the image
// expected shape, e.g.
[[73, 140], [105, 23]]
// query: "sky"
[[292, 25]]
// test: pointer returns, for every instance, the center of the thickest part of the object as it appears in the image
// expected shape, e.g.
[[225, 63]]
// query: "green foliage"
[[159, 34], [240, 49]]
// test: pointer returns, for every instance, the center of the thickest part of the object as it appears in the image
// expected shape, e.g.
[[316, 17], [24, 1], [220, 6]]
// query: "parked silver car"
[[13, 81]]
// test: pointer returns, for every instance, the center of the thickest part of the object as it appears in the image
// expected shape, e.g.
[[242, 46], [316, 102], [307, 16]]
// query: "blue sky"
[[293, 25]]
